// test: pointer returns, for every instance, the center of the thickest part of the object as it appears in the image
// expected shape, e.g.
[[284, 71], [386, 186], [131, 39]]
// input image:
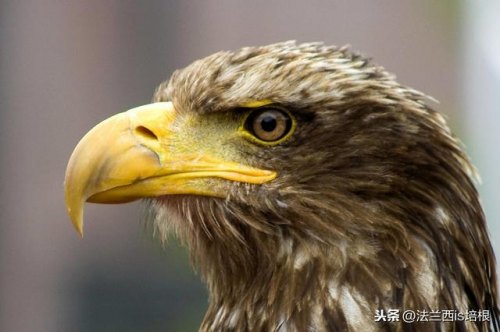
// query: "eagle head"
[[310, 187]]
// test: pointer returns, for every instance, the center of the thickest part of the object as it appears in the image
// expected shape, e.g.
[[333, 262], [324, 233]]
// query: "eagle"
[[312, 190]]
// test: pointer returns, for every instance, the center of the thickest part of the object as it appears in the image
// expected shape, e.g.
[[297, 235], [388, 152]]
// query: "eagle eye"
[[269, 125]]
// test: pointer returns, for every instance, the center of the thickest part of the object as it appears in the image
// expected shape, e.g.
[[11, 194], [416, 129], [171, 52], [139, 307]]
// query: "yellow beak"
[[131, 156]]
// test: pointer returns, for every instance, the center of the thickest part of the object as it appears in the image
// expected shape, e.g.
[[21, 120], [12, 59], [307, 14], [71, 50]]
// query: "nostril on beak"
[[145, 133]]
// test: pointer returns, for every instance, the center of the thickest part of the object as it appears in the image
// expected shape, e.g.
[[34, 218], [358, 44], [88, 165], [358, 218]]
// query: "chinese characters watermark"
[[445, 315]]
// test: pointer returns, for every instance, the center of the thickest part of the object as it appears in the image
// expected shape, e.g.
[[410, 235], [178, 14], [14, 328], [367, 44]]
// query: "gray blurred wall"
[[66, 65]]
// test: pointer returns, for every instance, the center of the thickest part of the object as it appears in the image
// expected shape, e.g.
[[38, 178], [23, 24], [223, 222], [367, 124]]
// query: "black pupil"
[[268, 123]]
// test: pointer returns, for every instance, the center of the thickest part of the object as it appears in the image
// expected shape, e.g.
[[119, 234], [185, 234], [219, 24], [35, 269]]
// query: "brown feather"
[[374, 206]]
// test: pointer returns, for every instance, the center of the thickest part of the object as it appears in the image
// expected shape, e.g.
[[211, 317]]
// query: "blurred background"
[[67, 65]]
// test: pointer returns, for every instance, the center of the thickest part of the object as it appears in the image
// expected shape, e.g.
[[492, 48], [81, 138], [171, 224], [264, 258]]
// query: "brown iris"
[[269, 125]]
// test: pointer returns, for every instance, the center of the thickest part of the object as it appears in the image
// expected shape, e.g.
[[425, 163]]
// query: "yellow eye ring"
[[268, 126]]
